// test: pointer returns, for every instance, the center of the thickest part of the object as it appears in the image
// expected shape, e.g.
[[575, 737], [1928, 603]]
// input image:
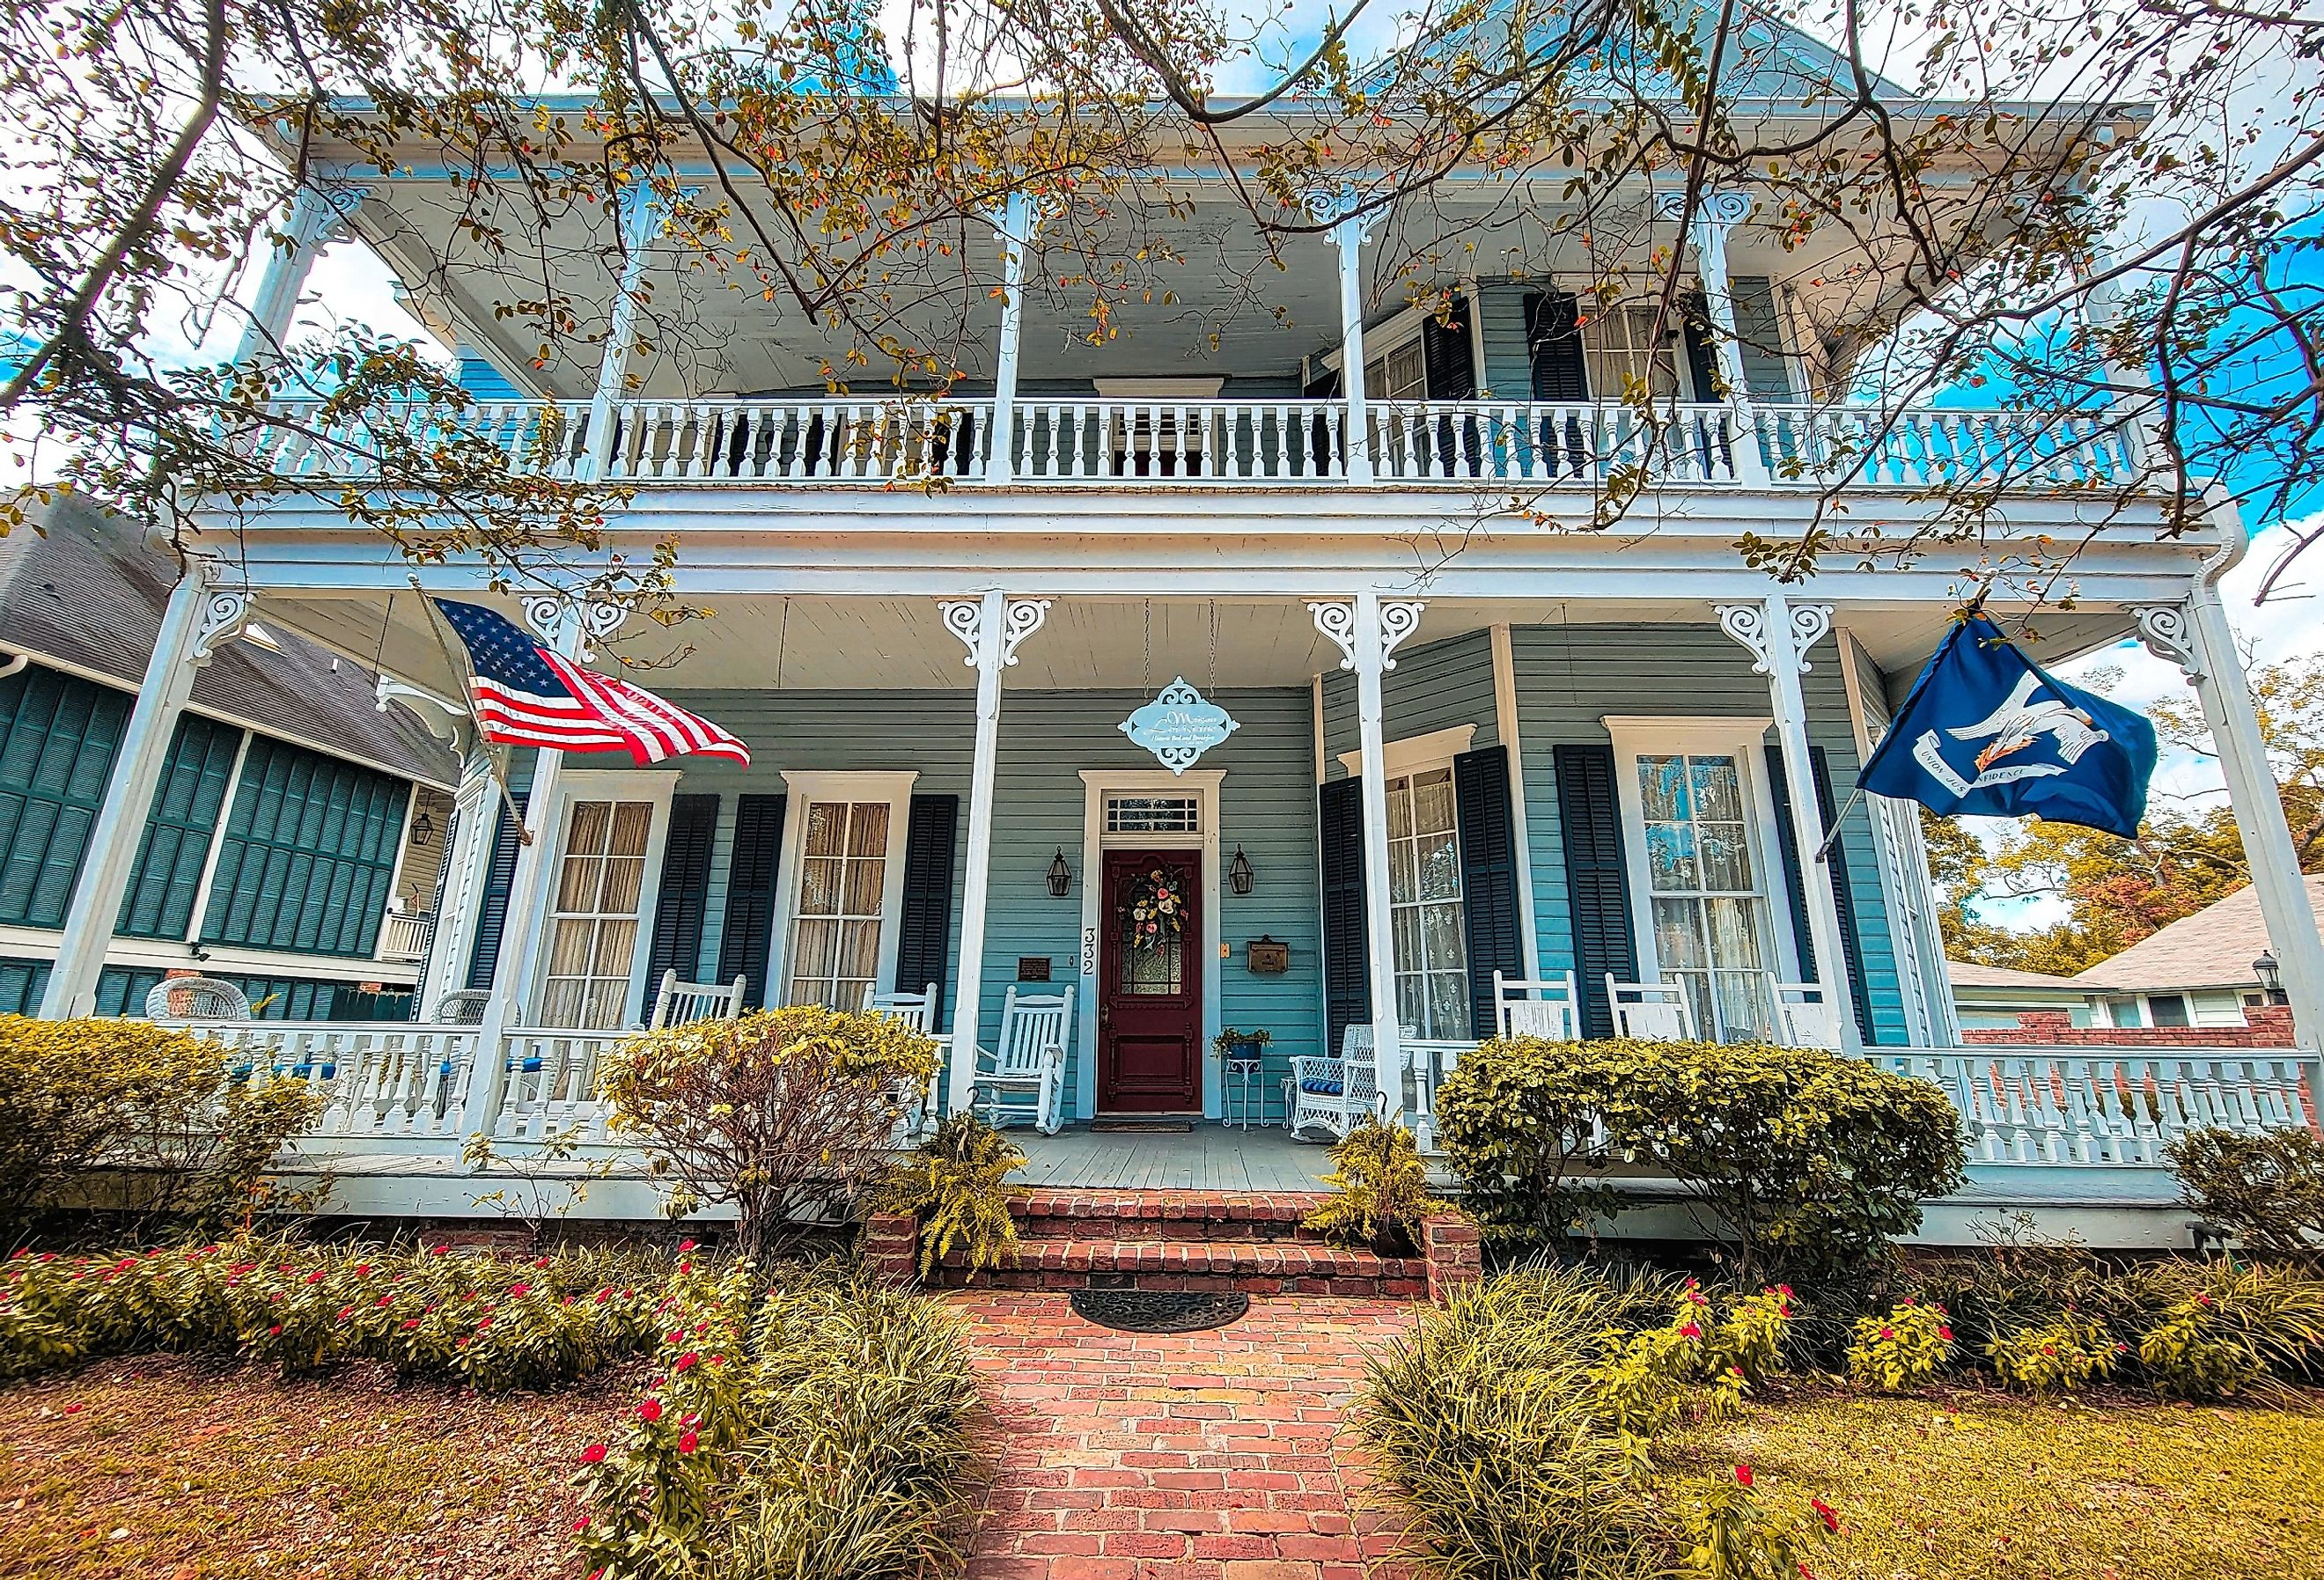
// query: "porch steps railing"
[[1270, 442]]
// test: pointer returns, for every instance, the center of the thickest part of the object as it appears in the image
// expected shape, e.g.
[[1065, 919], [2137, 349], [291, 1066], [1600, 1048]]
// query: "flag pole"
[[493, 764], [1831, 836]]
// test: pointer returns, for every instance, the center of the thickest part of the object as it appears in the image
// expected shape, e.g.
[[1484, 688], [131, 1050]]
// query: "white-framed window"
[[594, 912], [1619, 346], [1427, 919], [1153, 814], [1703, 870], [842, 887], [1400, 373]]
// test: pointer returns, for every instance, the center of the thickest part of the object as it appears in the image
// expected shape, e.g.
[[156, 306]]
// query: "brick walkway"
[[1191, 1456]]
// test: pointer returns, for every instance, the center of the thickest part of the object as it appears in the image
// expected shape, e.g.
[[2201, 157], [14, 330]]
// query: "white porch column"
[[640, 216], [993, 626], [316, 215], [1348, 229], [1779, 633], [1717, 212], [571, 629], [475, 810], [1368, 631], [2198, 639], [1017, 222], [200, 614], [1505, 725]]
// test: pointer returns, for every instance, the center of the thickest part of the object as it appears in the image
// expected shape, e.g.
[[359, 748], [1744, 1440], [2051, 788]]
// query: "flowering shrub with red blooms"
[[1907, 1348], [1700, 1361], [1731, 1536], [2239, 1326], [484, 1321], [824, 1434], [2056, 1357]]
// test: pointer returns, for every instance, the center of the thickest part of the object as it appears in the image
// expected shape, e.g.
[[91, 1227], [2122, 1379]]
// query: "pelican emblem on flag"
[[2021, 721]]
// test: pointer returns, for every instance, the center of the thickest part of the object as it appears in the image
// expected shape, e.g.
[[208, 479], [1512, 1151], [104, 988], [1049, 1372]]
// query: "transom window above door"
[[1709, 905], [593, 922], [834, 958], [1427, 920], [1153, 814]]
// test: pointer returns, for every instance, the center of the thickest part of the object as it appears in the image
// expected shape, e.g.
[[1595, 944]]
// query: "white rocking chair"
[[915, 1010], [1805, 1014], [1549, 1009], [1333, 1094], [1650, 1011], [680, 1003], [1027, 1078]]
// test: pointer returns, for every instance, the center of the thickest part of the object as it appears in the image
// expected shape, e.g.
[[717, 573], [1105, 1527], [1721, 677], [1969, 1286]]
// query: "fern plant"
[[956, 1185], [1379, 1189]]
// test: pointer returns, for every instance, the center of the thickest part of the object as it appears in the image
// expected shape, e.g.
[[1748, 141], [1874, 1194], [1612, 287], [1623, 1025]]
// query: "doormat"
[[1158, 1310], [1159, 1127]]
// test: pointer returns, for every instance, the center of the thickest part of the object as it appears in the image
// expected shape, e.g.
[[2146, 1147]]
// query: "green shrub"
[[1907, 1348], [827, 1438], [2233, 1328], [1811, 1162], [784, 1114], [1380, 1190], [135, 1116], [956, 1185], [1517, 1424], [2060, 1356], [2267, 1189]]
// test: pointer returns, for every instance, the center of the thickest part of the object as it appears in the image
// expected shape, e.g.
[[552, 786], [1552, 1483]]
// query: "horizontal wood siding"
[[1569, 677], [1434, 685]]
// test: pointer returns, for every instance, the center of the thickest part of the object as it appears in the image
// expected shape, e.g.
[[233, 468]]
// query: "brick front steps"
[[1195, 1241]]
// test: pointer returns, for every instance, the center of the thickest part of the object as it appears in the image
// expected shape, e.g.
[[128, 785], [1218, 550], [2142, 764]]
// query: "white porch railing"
[[404, 937], [1273, 442], [2097, 1106]]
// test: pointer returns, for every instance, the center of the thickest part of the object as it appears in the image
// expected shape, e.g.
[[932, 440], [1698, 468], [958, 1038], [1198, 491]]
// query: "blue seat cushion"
[[529, 1066], [1324, 1086]]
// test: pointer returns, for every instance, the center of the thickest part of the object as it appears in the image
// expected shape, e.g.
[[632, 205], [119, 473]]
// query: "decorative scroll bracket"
[[224, 612], [558, 619], [1020, 617], [1748, 625], [1398, 618], [1337, 621], [2164, 629], [1023, 617]]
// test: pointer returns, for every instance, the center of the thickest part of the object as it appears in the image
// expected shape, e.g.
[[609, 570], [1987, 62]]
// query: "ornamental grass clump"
[[827, 1435], [956, 1185], [1519, 1425], [785, 1116], [1380, 1191]]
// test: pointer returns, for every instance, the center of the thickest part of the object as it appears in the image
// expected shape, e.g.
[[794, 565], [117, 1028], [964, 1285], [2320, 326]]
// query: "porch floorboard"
[[1210, 1157]]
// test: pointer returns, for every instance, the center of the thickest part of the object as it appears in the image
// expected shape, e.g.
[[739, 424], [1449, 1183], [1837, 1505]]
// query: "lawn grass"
[[186, 1470], [1968, 1486]]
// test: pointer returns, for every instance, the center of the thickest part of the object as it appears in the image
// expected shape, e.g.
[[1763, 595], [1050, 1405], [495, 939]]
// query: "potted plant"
[[1231, 1043]]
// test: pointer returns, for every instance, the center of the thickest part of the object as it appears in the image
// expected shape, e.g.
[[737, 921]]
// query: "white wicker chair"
[[1550, 1008], [196, 998], [680, 1003], [1027, 1078], [1333, 1094], [463, 1007]]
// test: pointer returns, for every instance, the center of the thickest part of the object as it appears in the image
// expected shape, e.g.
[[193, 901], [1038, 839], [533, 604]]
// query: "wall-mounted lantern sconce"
[[1240, 877], [1061, 876], [423, 829], [2271, 978]]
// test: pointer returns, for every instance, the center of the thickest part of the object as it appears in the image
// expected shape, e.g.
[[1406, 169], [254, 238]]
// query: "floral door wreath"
[[1158, 908]]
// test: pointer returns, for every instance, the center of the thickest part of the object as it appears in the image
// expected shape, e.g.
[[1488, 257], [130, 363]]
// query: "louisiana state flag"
[[1988, 733]]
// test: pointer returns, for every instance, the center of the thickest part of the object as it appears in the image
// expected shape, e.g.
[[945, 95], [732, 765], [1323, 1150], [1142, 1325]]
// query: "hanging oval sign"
[[1179, 725]]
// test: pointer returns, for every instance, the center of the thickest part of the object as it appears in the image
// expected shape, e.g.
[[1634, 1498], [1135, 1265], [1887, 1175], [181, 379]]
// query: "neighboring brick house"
[[2191, 983], [294, 844]]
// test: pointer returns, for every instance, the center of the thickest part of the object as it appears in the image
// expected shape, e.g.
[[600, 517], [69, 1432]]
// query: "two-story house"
[[1318, 622]]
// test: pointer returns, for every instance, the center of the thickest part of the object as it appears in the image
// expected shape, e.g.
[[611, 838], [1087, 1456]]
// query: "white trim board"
[[1415, 752], [1204, 784]]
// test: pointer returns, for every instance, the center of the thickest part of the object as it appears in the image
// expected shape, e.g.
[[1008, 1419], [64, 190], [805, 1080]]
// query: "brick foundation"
[[2268, 1026], [891, 1249], [1455, 1255]]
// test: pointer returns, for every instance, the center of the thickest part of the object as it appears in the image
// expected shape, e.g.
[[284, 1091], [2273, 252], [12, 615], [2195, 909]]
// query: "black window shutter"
[[1489, 879], [924, 935], [1597, 881], [1347, 955], [1795, 889], [749, 930], [1702, 350], [1553, 342], [1445, 348], [492, 915], [1843, 894], [683, 899]]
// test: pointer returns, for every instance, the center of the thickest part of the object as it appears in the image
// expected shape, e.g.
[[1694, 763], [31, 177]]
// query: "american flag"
[[527, 696]]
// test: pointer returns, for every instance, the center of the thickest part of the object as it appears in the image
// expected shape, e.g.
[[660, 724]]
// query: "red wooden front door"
[[1149, 1014]]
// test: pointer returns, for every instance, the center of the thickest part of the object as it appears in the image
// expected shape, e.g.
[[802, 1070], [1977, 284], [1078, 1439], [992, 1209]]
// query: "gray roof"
[[86, 594], [2214, 948], [1966, 974]]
